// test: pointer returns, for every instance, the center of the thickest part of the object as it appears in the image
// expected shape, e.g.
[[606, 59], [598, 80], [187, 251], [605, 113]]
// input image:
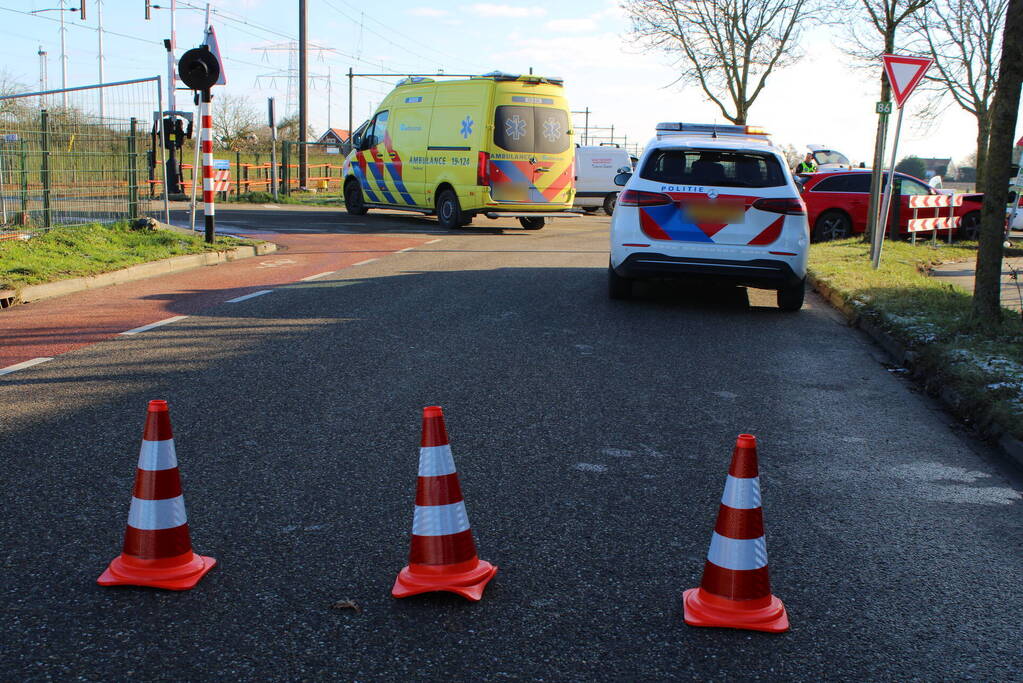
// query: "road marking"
[[21, 366], [432, 241], [317, 276], [248, 296], [362, 263], [402, 251], [276, 263], [150, 326]]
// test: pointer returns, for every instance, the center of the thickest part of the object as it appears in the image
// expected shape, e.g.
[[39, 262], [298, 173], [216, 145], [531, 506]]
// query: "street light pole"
[[99, 34], [63, 55]]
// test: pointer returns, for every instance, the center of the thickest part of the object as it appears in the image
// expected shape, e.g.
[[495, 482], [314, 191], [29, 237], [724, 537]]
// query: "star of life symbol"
[[467, 127], [515, 127], [551, 130]]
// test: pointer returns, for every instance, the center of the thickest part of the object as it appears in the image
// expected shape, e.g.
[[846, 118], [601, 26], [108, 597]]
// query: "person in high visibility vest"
[[807, 165]]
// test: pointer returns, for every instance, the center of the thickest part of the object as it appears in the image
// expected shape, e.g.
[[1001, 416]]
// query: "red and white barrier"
[[937, 222]]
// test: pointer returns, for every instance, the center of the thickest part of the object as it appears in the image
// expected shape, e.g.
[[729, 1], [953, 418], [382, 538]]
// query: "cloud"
[[485, 9], [571, 25], [428, 12]]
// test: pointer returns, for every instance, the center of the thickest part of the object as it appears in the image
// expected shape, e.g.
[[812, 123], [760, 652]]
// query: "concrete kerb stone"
[[1010, 446], [143, 270]]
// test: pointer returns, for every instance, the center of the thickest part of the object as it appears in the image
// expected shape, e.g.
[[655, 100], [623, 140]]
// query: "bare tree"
[[235, 121], [987, 308], [873, 33], [728, 47], [964, 37]]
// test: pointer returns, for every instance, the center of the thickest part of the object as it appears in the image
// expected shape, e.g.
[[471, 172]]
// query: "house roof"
[[338, 133]]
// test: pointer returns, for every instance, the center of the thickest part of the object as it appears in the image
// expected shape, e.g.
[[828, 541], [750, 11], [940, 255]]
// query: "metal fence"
[[79, 155]]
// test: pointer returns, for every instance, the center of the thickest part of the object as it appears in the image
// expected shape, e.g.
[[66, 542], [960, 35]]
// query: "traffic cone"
[[157, 548], [735, 591], [443, 555]]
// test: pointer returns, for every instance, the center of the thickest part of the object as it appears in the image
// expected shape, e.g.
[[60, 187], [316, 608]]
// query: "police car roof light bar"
[[713, 129]]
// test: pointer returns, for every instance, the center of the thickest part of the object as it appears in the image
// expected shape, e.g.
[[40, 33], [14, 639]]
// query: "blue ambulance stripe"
[[399, 184], [381, 183], [361, 177]]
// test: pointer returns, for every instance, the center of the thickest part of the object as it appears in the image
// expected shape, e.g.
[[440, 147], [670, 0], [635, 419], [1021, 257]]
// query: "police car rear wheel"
[[449, 213], [531, 223], [969, 226], [791, 298], [618, 287], [353, 200]]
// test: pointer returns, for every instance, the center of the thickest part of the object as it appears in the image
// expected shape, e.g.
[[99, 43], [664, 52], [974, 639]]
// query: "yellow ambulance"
[[497, 145]]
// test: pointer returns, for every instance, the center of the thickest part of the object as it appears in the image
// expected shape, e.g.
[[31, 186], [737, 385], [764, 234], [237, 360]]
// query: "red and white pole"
[[206, 138]]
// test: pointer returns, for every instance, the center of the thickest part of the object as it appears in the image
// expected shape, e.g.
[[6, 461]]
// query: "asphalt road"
[[592, 438]]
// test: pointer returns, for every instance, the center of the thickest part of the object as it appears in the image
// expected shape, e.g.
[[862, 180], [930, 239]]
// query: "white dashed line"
[[150, 326], [432, 242], [21, 366], [362, 263], [402, 251], [317, 276], [248, 296]]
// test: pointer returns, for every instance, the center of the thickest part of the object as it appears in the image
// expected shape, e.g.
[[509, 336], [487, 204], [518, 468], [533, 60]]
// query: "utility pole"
[[63, 55], [99, 35], [330, 97], [42, 77], [303, 92], [586, 125], [351, 78]]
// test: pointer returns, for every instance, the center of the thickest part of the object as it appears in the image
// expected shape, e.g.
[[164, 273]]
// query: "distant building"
[[333, 136], [334, 141], [966, 174], [935, 167]]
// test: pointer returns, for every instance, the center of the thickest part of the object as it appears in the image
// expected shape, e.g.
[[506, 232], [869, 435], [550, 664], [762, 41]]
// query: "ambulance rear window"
[[713, 167], [541, 130]]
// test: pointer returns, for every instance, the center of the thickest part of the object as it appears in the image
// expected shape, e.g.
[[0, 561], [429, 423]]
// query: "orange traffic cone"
[[157, 548], [443, 555], [735, 591]]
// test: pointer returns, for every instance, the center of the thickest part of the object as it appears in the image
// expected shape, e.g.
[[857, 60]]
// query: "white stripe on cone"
[[741, 494], [152, 515], [436, 461], [440, 520], [738, 554], [157, 455]]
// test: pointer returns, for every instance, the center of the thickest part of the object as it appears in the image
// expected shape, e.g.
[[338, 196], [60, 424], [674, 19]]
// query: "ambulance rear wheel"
[[354, 204], [449, 212], [531, 223]]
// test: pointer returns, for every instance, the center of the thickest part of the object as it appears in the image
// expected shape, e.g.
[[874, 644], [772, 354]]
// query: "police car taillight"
[[483, 169], [640, 198], [792, 207]]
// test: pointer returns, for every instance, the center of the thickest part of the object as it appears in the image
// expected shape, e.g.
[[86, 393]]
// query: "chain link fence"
[[79, 155]]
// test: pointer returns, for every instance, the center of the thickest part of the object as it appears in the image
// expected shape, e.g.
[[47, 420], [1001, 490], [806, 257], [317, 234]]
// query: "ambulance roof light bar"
[[527, 78], [712, 129]]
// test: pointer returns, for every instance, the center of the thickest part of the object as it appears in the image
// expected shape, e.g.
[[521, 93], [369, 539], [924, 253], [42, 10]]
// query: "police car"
[[714, 203]]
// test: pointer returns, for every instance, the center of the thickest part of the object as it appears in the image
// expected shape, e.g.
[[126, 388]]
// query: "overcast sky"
[[819, 100]]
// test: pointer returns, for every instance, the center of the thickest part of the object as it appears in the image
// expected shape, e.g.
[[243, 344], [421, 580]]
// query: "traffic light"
[[82, 10], [149, 10]]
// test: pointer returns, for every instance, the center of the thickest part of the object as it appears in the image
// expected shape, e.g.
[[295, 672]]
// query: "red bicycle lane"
[[48, 328]]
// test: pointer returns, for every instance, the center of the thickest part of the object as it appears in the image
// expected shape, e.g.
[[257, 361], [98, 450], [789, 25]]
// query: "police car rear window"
[[540, 130], [713, 167]]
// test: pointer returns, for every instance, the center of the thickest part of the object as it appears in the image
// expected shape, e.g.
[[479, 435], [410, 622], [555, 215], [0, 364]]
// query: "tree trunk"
[[983, 134], [987, 309]]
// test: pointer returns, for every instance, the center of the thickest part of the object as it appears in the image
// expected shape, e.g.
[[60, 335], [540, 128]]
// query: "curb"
[[1009, 445], [143, 270]]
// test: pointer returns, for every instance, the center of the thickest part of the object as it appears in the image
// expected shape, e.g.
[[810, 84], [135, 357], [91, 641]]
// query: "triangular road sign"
[[211, 43], [904, 73]]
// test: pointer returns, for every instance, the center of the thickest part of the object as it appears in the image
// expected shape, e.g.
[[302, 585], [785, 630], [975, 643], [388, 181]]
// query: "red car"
[[836, 204]]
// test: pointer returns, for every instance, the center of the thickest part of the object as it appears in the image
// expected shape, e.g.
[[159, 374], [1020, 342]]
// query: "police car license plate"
[[716, 212]]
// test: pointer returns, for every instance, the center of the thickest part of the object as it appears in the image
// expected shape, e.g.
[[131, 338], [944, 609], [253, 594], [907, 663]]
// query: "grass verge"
[[980, 370], [64, 253]]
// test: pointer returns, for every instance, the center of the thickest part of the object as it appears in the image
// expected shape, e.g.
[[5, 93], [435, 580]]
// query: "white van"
[[595, 170]]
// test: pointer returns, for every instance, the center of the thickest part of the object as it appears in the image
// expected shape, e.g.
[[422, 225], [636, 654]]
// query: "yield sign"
[[904, 73], [211, 43]]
